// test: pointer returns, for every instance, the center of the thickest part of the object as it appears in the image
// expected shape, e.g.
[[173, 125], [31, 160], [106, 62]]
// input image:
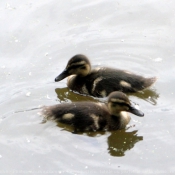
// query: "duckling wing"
[[109, 80], [81, 115]]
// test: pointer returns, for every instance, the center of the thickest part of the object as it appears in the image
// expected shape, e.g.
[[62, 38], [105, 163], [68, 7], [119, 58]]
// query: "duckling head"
[[118, 102], [78, 65]]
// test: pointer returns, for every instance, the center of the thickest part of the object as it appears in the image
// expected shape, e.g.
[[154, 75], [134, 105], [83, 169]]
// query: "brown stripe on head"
[[118, 97], [80, 63], [114, 100], [77, 59]]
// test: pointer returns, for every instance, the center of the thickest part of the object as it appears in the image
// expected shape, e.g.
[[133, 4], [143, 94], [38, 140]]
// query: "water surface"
[[38, 38]]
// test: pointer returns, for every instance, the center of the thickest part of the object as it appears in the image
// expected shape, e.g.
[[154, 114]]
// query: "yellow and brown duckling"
[[100, 82], [94, 116]]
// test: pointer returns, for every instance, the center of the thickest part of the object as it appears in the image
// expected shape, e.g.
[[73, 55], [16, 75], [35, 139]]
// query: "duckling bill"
[[91, 116], [100, 82]]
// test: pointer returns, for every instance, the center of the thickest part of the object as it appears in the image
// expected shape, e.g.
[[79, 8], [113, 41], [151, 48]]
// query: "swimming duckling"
[[94, 116], [100, 82]]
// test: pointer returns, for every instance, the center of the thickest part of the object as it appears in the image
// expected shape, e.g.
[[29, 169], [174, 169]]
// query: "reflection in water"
[[148, 95], [64, 94], [121, 141], [69, 128]]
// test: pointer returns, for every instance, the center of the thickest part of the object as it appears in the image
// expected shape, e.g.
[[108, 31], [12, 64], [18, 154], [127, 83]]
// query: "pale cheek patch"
[[95, 118], [125, 84], [116, 109], [70, 79], [68, 116], [84, 72], [124, 114]]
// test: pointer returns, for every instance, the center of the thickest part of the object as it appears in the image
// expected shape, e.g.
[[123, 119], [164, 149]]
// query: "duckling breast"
[[70, 80], [125, 119], [77, 84]]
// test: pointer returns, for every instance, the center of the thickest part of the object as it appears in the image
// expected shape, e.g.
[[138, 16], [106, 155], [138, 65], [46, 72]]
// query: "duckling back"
[[83, 116], [101, 82]]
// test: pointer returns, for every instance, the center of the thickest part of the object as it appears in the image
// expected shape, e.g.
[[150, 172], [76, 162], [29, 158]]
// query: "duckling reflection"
[[100, 82], [65, 94], [121, 141], [66, 127], [148, 95]]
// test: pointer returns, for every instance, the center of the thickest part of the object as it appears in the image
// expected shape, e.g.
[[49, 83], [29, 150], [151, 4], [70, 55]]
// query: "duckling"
[[94, 116], [101, 81]]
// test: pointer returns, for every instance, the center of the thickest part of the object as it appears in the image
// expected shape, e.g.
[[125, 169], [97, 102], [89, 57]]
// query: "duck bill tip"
[[135, 111], [63, 75]]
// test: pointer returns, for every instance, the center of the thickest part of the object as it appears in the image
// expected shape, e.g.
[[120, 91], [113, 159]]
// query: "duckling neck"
[[120, 120], [77, 83]]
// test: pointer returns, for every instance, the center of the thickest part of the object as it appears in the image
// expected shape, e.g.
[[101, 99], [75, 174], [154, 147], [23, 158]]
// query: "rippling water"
[[38, 38]]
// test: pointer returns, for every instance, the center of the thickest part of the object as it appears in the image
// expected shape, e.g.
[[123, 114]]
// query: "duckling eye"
[[83, 67], [113, 105], [118, 104]]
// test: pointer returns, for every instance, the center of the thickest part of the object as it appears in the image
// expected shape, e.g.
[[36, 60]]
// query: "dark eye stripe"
[[76, 66], [121, 104]]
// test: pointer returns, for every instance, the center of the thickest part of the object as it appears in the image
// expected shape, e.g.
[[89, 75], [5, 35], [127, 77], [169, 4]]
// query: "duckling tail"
[[150, 81], [48, 112]]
